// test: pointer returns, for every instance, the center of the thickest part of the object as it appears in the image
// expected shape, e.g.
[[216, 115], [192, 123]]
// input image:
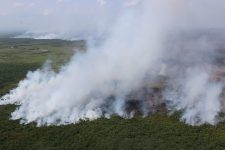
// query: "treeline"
[[154, 132]]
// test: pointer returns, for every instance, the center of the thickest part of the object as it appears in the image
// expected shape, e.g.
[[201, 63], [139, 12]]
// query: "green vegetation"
[[18, 56], [154, 132]]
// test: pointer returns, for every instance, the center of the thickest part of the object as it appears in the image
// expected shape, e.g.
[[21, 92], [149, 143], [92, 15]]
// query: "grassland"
[[17, 56], [158, 131]]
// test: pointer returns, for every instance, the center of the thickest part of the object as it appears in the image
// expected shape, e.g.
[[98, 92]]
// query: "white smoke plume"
[[135, 48], [197, 96]]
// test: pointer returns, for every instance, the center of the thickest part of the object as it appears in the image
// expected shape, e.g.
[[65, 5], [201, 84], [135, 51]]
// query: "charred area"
[[206, 50]]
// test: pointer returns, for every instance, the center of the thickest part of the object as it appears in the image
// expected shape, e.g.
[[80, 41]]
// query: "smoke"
[[196, 77], [197, 96], [143, 42]]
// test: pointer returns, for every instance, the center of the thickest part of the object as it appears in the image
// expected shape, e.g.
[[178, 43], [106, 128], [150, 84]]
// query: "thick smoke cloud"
[[141, 43]]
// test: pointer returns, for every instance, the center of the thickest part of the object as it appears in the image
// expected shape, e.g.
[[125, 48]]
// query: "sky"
[[95, 16], [56, 15]]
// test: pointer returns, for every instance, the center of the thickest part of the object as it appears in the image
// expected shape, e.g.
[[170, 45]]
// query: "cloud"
[[73, 17], [131, 2], [101, 2], [59, 1], [18, 4], [3, 14], [46, 12]]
